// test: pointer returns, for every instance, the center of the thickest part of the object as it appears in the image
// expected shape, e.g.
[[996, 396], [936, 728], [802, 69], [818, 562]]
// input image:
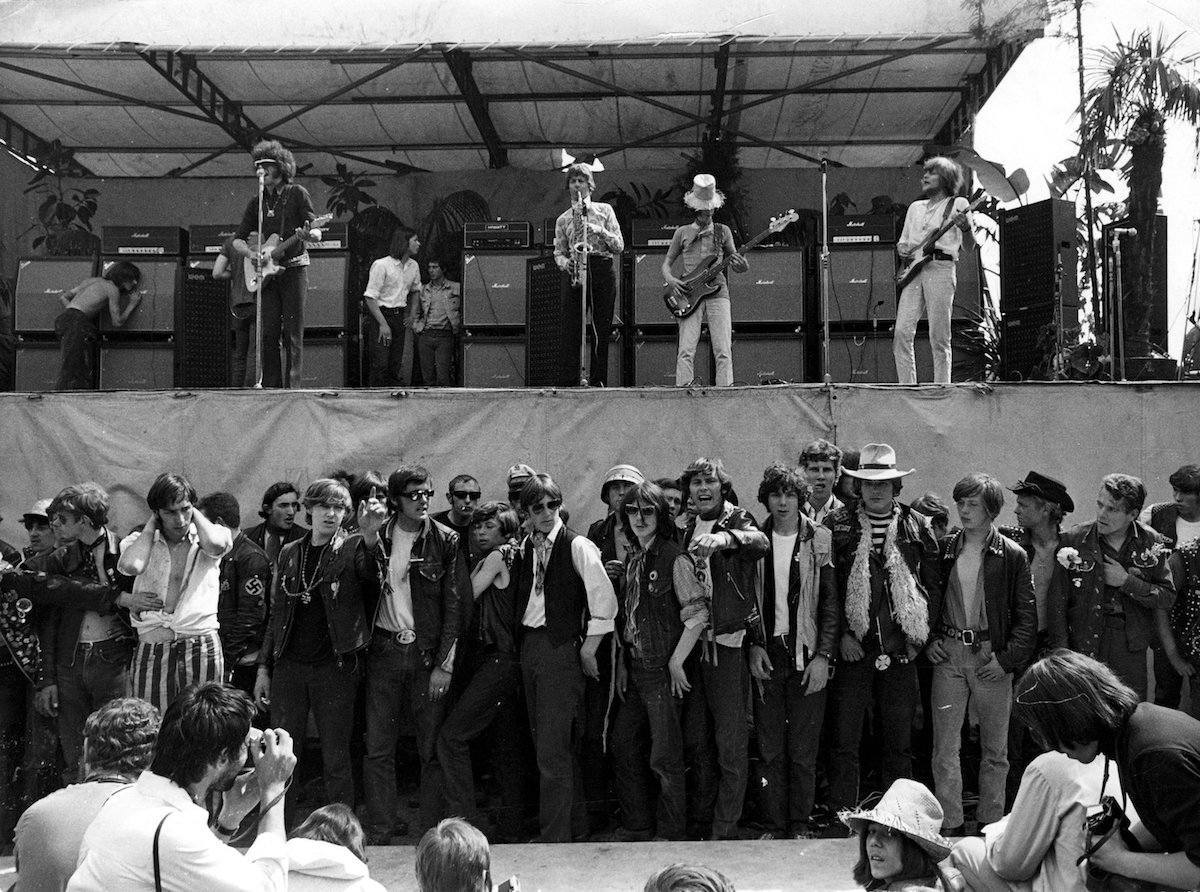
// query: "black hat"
[[1047, 488]]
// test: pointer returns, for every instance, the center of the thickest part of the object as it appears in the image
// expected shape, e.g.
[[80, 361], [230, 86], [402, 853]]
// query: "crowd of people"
[[680, 671]]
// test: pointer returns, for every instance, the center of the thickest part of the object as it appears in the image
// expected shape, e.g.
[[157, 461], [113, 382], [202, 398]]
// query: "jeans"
[[78, 337], [244, 372], [1113, 651], [14, 696], [96, 674], [789, 724], [931, 291], [955, 685], [385, 362], [553, 680], [327, 689], [647, 748], [715, 719], [855, 686], [720, 328], [490, 693], [396, 675], [435, 348], [283, 326]]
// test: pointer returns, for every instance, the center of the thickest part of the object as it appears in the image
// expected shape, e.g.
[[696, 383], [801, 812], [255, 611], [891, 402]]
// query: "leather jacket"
[[734, 573]]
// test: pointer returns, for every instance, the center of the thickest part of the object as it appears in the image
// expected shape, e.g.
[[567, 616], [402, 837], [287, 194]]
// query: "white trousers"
[[931, 291], [720, 328]]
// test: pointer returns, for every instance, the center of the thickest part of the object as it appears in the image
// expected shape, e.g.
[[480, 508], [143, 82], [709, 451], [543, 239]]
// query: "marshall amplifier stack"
[[41, 281], [863, 298]]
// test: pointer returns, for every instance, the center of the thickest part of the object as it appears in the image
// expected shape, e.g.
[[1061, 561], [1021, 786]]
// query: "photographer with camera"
[[156, 834], [1078, 706]]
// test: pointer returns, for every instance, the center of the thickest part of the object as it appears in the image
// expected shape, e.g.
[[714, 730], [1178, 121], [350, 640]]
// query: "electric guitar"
[[701, 283], [262, 265], [924, 253]]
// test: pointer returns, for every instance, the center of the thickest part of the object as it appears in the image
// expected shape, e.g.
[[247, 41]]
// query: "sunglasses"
[[552, 505], [465, 494], [646, 511], [417, 494]]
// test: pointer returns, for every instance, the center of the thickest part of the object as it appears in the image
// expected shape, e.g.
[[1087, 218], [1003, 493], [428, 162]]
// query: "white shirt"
[[781, 552], [118, 848], [391, 282], [924, 217], [818, 515], [396, 612], [1186, 530], [585, 557], [195, 612]]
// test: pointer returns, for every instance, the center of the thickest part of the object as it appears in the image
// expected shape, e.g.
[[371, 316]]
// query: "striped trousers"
[[160, 671]]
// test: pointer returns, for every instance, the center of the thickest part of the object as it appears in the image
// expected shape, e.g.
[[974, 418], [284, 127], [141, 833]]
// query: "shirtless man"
[[76, 324]]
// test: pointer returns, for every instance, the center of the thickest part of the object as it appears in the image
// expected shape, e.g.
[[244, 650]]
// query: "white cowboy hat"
[[907, 807], [704, 195], [877, 461]]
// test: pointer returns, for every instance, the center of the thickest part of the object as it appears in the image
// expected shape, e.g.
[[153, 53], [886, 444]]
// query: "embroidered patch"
[[255, 587]]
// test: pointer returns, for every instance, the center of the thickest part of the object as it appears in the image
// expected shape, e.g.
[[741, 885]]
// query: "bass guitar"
[[262, 266], [925, 251], [701, 283]]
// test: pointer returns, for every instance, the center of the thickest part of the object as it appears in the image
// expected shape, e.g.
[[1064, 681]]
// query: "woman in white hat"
[[899, 843], [695, 243]]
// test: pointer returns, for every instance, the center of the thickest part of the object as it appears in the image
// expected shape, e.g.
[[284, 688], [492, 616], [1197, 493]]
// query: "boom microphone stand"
[[825, 271], [258, 320]]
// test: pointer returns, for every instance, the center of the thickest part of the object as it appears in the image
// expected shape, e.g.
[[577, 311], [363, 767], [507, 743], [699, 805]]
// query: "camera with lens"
[[1110, 815]]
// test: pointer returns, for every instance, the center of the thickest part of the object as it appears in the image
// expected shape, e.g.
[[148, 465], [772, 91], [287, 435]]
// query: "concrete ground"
[[818, 865]]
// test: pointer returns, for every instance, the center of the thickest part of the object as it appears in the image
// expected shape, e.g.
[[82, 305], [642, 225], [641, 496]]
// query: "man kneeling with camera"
[[156, 834]]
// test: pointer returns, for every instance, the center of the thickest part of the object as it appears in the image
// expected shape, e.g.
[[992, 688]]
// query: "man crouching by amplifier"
[[600, 242]]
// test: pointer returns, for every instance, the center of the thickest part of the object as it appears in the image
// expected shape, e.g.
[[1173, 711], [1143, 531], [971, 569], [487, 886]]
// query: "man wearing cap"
[[889, 578], [1042, 501], [1177, 521], [37, 524], [602, 242], [695, 243], [287, 211], [1109, 578], [609, 536], [518, 476]]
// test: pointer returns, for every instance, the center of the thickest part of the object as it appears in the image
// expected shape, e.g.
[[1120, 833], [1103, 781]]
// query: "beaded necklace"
[[308, 583]]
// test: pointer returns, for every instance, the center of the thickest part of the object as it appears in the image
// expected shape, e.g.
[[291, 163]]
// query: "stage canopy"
[[151, 88]]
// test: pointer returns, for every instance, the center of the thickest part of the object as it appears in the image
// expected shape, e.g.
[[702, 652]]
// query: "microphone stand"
[[825, 271], [258, 320], [1118, 299]]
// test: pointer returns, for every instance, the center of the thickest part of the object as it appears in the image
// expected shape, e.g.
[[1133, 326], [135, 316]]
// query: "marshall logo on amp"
[[500, 234], [143, 240], [862, 229]]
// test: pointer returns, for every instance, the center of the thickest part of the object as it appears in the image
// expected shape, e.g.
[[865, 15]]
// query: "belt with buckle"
[[404, 636], [969, 637]]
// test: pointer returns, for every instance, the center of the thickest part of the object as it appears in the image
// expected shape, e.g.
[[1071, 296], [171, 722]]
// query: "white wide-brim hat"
[[704, 195], [909, 808], [877, 461]]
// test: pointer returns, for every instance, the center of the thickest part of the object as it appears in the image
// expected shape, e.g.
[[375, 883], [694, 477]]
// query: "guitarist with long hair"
[[931, 289], [695, 243], [287, 212]]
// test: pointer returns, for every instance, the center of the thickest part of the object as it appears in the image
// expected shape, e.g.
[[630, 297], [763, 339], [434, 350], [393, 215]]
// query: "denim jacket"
[[657, 616]]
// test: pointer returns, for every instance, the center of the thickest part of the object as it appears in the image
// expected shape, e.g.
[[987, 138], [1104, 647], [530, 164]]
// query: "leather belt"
[[969, 637], [941, 255], [404, 636]]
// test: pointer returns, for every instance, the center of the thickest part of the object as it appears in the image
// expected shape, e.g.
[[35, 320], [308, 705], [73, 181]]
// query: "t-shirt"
[[396, 612], [781, 554], [309, 639], [1186, 530], [879, 528], [50, 833], [391, 281], [1158, 755]]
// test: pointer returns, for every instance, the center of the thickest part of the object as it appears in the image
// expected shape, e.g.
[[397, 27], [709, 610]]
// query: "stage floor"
[[817, 865]]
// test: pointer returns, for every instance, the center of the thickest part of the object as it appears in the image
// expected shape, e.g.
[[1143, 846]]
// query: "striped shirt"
[[879, 528]]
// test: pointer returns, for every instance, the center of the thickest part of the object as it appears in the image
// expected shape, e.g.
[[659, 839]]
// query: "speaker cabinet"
[[862, 284], [648, 306], [137, 365], [493, 287], [324, 363], [326, 299], [1033, 240], [553, 333], [773, 288], [155, 314], [202, 336], [494, 362], [654, 362], [40, 283], [768, 357], [38, 363], [866, 357]]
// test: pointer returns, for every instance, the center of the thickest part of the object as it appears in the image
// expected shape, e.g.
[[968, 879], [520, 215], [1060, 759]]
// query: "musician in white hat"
[[695, 243]]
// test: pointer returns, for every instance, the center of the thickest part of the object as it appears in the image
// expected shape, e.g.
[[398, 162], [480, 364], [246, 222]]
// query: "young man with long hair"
[[393, 289]]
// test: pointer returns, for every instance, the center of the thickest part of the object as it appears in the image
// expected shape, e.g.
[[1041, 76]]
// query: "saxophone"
[[578, 240]]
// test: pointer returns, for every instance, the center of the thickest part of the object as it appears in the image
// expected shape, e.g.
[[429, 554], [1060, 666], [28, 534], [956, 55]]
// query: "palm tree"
[[1137, 87]]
